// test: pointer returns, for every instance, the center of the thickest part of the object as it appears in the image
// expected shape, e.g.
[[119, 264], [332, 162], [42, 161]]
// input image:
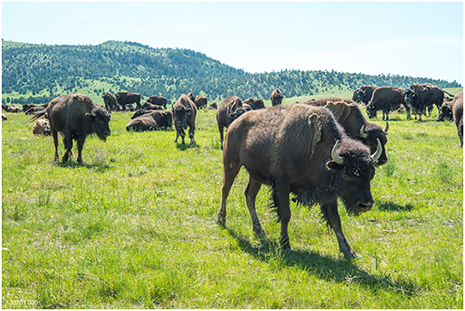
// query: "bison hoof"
[[350, 255]]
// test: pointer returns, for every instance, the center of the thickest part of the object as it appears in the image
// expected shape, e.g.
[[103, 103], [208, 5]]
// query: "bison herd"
[[317, 151]]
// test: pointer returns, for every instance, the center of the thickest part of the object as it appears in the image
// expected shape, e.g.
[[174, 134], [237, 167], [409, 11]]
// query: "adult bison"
[[420, 96], [363, 94], [125, 98], [457, 114], [349, 116], [228, 110], [276, 97], [385, 99], [184, 113], [164, 119], [111, 103], [158, 100], [302, 150], [75, 116], [445, 112], [200, 101], [255, 103], [142, 123], [150, 106]]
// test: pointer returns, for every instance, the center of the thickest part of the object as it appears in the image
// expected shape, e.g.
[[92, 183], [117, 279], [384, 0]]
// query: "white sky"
[[419, 39]]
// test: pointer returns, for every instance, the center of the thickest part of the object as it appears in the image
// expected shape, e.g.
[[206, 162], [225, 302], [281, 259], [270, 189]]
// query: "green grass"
[[134, 227]]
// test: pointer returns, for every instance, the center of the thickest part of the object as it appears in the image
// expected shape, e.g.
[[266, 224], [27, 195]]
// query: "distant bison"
[[150, 106], [125, 98], [302, 150], [420, 96], [142, 123], [184, 113], [363, 94], [75, 116], [200, 101], [229, 110], [213, 106], [276, 97], [386, 98], [111, 103], [158, 100], [255, 104]]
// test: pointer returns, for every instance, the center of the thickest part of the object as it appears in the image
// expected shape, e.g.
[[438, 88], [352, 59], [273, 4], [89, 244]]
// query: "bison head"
[[371, 111], [359, 96], [409, 97], [445, 113], [100, 122], [235, 110], [357, 168], [180, 114], [373, 134]]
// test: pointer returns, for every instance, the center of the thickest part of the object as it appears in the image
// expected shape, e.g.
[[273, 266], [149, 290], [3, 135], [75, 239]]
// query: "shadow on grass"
[[393, 207], [72, 164], [186, 146], [324, 267]]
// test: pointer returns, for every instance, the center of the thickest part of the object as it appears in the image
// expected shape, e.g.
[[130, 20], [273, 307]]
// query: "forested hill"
[[40, 71]]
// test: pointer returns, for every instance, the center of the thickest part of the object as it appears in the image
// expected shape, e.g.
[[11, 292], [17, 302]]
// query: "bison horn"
[[378, 152], [339, 160], [387, 127], [362, 132], [92, 112]]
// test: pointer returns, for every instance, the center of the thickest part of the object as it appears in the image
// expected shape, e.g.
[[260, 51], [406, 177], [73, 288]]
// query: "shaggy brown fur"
[[229, 110], [184, 113], [276, 97]]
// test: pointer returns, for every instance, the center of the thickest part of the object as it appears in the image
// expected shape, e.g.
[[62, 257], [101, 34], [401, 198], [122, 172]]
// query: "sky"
[[419, 39]]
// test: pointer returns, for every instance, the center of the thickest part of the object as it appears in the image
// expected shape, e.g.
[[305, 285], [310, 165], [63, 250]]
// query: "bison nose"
[[364, 207], [107, 133]]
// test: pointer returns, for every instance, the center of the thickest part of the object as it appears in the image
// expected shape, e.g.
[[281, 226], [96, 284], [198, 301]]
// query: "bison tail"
[[38, 114], [448, 93]]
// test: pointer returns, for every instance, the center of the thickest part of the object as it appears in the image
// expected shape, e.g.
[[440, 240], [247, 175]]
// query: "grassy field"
[[134, 227]]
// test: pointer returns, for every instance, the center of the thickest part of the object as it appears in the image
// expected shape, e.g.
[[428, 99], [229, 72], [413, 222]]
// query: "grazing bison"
[[111, 103], [200, 101], [255, 104], [349, 116], [302, 150], [386, 98], [75, 116], [229, 110], [276, 97], [184, 113], [213, 106], [41, 127], [158, 100], [363, 94], [125, 98], [143, 123]]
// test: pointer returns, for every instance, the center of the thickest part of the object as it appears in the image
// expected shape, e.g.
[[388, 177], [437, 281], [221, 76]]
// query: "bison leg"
[[230, 171], [221, 129], [281, 200], [191, 135], [68, 143], [55, 142], [331, 215], [250, 194], [80, 145]]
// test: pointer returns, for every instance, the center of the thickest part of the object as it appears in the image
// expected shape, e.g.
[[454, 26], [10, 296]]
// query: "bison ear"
[[89, 116], [334, 166]]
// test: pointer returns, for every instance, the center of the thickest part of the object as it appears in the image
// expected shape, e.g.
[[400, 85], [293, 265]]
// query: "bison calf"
[[302, 150]]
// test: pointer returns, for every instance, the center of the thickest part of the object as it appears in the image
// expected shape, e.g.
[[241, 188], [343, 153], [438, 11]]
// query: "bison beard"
[[299, 149]]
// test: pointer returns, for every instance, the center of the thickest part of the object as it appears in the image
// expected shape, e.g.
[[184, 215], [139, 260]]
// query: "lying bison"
[[229, 110], [143, 123], [349, 116], [184, 113], [158, 100], [302, 150], [75, 116]]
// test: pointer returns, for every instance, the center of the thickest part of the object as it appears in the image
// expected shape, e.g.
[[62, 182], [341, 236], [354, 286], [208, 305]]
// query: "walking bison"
[[184, 113], [228, 110], [125, 98], [386, 98], [302, 150]]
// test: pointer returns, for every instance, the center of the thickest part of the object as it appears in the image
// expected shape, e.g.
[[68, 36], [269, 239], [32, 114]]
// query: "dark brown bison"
[[150, 106], [164, 119], [363, 94], [200, 101], [255, 104], [276, 97], [349, 116], [26, 107], [33, 110], [111, 103], [457, 113], [386, 98], [13, 108], [158, 100], [299, 149], [191, 97], [213, 106], [142, 123], [229, 110], [324, 101], [41, 127], [184, 113], [75, 116], [418, 97], [125, 98]]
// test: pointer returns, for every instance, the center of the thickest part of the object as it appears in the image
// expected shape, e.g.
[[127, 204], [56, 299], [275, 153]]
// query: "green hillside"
[[37, 73]]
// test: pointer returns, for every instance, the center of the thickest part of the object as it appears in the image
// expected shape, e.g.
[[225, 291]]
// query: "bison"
[[125, 98], [255, 104], [158, 100], [184, 113], [349, 116], [299, 149], [457, 113], [386, 98], [200, 101], [4, 118], [229, 110], [41, 127], [363, 94], [111, 103], [420, 96], [75, 116], [276, 97], [150, 106], [142, 123], [213, 106]]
